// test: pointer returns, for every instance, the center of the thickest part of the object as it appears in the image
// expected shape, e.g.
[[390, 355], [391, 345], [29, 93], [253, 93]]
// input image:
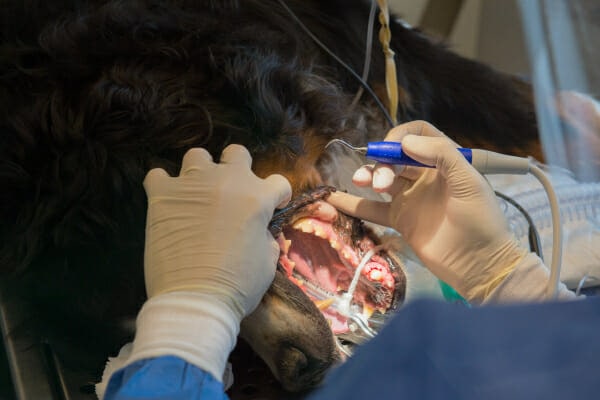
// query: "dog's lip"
[[305, 204], [319, 210]]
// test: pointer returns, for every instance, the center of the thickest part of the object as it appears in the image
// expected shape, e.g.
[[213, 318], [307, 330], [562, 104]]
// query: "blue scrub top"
[[164, 378], [433, 350]]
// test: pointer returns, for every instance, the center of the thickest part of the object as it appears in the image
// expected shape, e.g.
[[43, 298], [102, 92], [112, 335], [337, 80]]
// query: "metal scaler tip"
[[361, 150]]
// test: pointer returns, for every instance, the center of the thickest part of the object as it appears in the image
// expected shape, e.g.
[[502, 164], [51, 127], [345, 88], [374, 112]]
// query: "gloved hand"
[[448, 215], [206, 230], [209, 256]]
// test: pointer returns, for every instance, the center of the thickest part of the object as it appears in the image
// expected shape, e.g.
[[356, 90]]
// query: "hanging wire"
[[368, 48], [535, 244], [582, 281], [342, 63]]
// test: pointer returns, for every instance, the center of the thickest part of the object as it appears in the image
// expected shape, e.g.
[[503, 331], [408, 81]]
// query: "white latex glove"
[[448, 215], [209, 256], [206, 230]]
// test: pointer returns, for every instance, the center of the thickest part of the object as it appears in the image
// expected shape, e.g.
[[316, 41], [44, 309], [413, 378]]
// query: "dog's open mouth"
[[321, 250]]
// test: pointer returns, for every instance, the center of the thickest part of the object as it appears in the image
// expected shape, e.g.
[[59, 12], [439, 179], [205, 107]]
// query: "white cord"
[[343, 306], [489, 162], [552, 289], [368, 47]]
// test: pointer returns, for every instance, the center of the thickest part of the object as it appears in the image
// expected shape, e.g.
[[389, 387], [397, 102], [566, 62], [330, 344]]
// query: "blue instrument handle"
[[391, 153]]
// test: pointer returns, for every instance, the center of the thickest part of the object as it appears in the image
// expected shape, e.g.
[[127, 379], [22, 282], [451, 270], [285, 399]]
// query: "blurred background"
[[485, 30], [550, 43]]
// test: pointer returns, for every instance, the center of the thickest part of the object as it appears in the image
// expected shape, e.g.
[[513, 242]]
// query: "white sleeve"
[[198, 328]]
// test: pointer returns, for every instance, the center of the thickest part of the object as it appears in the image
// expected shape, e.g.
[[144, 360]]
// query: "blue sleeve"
[[435, 350], [163, 378]]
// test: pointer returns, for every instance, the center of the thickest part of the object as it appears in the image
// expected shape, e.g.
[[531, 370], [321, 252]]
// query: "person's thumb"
[[369, 210]]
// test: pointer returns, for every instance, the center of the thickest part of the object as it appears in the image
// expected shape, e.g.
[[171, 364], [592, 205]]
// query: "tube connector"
[[489, 162]]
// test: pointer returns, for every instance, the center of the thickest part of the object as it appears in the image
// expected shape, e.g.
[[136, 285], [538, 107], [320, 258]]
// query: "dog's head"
[[93, 94], [106, 92]]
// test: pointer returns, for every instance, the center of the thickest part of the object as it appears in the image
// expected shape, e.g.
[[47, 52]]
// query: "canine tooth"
[[300, 223], [320, 232], [350, 257], [335, 244], [324, 304], [286, 245], [307, 228]]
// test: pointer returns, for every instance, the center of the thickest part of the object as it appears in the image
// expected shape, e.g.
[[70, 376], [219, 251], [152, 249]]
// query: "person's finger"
[[412, 173], [383, 177], [363, 176], [236, 154], [152, 177], [368, 210], [195, 159], [274, 251], [280, 188]]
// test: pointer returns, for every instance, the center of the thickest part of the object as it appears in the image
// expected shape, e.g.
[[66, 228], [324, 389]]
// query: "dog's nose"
[[301, 371]]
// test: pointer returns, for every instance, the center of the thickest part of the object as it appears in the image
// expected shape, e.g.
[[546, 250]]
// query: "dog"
[[96, 93]]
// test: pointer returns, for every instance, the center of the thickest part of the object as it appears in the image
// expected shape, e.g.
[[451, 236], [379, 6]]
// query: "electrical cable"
[[552, 288], [489, 162], [582, 281], [343, 305], [535, 243], [368, 48], [340, 61]]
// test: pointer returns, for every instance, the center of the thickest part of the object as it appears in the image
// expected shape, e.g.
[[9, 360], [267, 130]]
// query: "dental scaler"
[[486, 162]]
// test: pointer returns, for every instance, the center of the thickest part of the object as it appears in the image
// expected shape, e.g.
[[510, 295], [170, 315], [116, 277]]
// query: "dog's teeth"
[[320, 232], [304, 226], [298, 224], [335, 244], [346, 254], [349, 255]]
